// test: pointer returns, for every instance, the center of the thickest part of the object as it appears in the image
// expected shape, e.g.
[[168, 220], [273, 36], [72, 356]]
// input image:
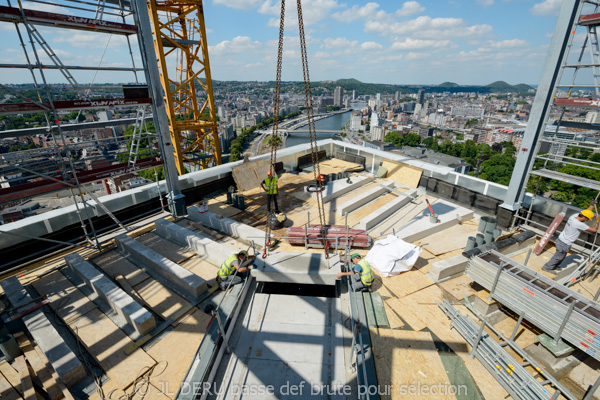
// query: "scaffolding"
[[68, 163]]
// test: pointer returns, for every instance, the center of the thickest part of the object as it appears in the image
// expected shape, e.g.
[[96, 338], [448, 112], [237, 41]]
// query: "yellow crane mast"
[[181, 47]]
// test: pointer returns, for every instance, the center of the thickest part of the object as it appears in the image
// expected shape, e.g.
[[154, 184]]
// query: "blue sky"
[[412, 42]]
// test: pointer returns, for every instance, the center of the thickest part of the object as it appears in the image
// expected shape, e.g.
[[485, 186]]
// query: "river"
[[333, 123]]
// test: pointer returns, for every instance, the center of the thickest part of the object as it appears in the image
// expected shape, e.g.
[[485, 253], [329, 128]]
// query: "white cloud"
[[509, 43], [416, 44], [356, 12], [240, 4], [410, 8], [367, 46], [416, 56], [238, 44], [338, 43], [485, 3], [546, 7], [90, 40], [47, 8], [429, 27]]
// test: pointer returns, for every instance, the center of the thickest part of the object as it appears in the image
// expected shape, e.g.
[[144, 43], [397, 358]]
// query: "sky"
[[469, 42]]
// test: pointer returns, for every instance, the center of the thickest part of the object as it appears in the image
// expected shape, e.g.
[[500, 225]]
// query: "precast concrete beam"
[[60, 355], [174, 276], [421, 226], [227, 226], [339, 188], [386, 211], [298, 268], [448, 268], [129, 312], [206, 248], [363, 199]]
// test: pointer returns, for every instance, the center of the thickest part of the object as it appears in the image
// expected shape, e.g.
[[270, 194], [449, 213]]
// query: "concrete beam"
[[339, 188], [363, 199], [128, 310], [227, 226], [63, 360], [174, 276], [205, 248], [386, 211], [448, 268], [299, 268], [449, 214]]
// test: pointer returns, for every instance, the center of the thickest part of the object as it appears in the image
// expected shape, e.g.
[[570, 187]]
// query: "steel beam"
[[536, 126], [74, 67], [31, 107]]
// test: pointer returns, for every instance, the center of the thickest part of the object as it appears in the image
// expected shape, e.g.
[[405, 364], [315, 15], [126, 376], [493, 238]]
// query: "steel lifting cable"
[[311, 129], [275, 133]]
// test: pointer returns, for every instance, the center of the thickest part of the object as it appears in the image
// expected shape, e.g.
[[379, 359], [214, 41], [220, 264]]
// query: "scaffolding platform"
[[577, 102], [23, 108], [13, 14]]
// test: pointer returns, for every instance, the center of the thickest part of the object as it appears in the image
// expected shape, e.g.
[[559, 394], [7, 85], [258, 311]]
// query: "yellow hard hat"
[[588, 214]]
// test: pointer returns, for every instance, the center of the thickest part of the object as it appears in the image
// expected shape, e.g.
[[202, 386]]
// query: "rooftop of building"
[[282, 336]]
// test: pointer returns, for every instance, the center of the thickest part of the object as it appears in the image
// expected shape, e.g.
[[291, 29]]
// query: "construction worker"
[[575, 225], [269, 185], [226, 276], [362, 276]]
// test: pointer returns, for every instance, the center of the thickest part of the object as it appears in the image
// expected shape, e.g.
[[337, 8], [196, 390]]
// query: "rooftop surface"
[[289, 338]]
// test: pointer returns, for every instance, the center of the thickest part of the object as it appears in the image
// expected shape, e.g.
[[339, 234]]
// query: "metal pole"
[[564, 321], [222, 331], [514, 332], [479, 335], [491, 296], [592, 390], [528, 255], [561, 39]]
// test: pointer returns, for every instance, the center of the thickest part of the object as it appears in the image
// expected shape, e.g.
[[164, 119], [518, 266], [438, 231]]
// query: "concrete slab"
[[338, 188], [363, 199], [60, 355], [228, 226], [303, 268], [206, 248], [174, 276], [386, 211], [129, 312], [449, 214], [447, 268]]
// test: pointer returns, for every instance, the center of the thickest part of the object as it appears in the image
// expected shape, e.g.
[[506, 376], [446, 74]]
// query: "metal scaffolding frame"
[[57, 170]]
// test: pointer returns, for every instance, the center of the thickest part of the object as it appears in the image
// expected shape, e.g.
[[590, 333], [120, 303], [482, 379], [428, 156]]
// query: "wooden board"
[[202, 268], [7, 392], [26, 383], [404, 284], [166, 248], [449, 239], [55, 376], [376, 316], [68, 302], [402, 173], [106, 342], [11, 375], [356, 216], [162, 301], [404, 357], [189, 331], [249, 175], [459, 288], [112, 263], [39, 367]]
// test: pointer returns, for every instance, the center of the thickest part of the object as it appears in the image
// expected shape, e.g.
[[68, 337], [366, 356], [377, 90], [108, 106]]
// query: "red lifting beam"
[[13, 14], [24, 108], [577, 102], [48, 185]]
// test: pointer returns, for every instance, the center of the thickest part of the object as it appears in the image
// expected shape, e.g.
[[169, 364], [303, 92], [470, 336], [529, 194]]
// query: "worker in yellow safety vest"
[[227, 276], [362, 275], [269, 185]]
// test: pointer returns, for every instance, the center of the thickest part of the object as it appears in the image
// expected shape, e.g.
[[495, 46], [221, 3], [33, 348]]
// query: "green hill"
[[448, 84]]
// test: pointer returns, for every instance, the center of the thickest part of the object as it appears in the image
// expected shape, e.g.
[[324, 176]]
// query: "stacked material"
[[557, 310], [519, 383]]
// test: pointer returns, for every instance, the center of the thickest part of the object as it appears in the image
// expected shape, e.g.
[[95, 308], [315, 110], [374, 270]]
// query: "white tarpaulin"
[[392, 255]]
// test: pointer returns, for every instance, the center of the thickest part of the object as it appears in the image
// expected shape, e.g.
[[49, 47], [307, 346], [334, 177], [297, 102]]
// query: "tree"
[[498, 168], [595, 157], [412, 139]]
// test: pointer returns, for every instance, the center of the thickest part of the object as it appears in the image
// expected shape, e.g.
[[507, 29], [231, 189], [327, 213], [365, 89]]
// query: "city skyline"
[[412, 42]]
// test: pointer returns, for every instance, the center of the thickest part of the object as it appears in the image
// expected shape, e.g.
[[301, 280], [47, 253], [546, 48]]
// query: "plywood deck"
[[404, 357]]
